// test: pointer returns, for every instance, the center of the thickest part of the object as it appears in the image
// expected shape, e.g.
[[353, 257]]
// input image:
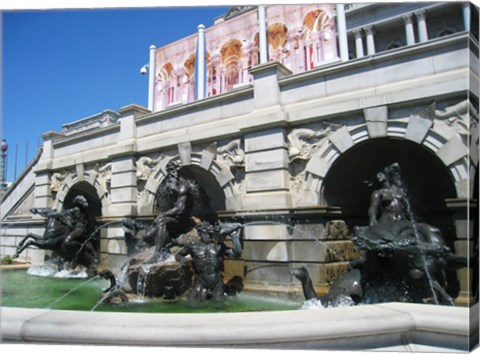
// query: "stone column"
[[342, 32], [262, 34], [466, 15], [151, 78], [422, 26], [463, 214], [409, 32], [266, 90], [43, 194], [266, 160], [200, 74], [370, 31], [123, 197], [358, 42], [266, 183]]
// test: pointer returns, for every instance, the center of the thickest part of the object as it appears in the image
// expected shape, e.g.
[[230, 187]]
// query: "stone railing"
[[105, 118]]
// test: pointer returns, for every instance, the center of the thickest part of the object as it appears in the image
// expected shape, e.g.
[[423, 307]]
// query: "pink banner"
[[301, 37], [175, 73]]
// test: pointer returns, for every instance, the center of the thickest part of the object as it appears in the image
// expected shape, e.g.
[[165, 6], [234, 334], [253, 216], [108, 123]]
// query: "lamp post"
[[3, 155]]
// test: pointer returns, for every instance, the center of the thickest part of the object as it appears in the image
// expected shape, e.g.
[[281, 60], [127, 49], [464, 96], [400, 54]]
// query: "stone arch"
[[448, 147], [206, 168], [73, 187], [352, 177], [89, 185]]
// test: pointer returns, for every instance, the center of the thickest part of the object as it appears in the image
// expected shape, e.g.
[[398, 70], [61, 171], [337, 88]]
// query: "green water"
[[19, 289]]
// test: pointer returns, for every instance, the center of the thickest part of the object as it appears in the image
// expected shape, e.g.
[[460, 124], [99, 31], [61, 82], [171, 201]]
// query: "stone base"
[[161, 279], [397, 327]]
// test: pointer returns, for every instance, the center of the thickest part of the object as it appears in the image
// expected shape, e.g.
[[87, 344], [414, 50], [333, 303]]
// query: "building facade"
[[283, 133]]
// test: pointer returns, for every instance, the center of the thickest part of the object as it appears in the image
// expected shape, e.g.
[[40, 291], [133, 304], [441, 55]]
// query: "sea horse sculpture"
[[69, 233], [400, 251]]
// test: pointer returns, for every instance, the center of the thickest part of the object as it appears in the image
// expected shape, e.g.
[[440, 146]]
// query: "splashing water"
[[142, 279], [89, 238], [71, 274], [50, 270], [47, 270], [312, 304], [411, 215]]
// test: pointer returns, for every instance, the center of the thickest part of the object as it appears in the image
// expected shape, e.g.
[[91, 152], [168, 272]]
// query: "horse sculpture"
[[67, 234]]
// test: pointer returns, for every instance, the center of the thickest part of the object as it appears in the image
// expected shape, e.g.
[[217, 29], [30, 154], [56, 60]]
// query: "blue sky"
[[63, 65]]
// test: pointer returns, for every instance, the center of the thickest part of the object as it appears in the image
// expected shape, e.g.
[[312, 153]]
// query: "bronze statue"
[[347, 285], [69, 233], [113, 294], [388, 202], [208, 255], [399, 251], [170, 223], [400, 259]]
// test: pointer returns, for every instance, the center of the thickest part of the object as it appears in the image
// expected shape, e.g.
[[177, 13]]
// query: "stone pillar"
[[262, 34], [266, 91], [463, 214], [466, 15], [123, 197], [266, 188], [422, 26], [358, 42], [342, 32], [43, 194], [266, 170], [266, 158], [151, 78], [200, 72], [370, 31], [409, 32]]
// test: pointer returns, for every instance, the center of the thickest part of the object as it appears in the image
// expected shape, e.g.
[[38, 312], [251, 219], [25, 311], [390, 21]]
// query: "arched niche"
[[211, 198], [89, 192], [352, 178]]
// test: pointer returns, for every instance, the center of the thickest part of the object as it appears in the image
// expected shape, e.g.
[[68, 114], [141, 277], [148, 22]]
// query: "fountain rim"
[[400, 325]]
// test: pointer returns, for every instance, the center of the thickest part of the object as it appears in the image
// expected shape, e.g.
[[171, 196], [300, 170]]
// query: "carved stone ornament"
[[57, 180], [232, 154], [145, 166], [303, 142], [459, 116], [104, 176]]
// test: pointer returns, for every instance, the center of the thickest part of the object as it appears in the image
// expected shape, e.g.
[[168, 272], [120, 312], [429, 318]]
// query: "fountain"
[[181, 256], [400, 259]]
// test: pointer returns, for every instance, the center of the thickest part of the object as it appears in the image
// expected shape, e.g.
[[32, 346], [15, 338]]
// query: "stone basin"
[[400, 327]]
